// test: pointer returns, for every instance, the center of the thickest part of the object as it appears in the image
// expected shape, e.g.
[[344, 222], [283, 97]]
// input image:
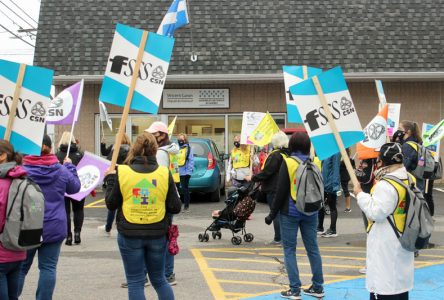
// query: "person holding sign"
[[390, 267], [144, 193], [10, 261], [185, 159], [54, 179], [240, 163]]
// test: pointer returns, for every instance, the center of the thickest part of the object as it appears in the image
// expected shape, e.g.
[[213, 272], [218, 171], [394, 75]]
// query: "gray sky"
[[16, 15]]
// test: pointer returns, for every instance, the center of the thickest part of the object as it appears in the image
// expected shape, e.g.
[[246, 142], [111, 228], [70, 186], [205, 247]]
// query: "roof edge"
[[212, 78]]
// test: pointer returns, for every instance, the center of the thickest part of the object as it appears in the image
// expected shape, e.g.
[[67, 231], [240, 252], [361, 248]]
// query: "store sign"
[[196, 98]]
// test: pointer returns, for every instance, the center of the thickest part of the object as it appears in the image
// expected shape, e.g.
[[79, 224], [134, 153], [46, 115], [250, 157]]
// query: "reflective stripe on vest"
[[398, 215], [182, 156], [174, 167], [283, 156], [240, 158], [292, 166], [144, 194]]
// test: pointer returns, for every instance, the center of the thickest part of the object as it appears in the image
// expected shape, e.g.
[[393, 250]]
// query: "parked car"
[[209, 169]]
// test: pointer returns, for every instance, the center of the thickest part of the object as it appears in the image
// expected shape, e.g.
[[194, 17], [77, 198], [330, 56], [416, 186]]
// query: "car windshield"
[[199, 149]]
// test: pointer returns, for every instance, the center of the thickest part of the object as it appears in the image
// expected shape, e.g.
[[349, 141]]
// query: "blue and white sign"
[[29, 123], [314, 117], [433, 147], [120, 68], [381, 94], [292, 76]]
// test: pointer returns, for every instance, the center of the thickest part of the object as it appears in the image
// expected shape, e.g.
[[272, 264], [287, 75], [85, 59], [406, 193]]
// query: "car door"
[[220, 163]]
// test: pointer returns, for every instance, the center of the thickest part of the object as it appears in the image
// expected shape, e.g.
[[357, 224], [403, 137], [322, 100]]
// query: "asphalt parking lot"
[[217, 269]]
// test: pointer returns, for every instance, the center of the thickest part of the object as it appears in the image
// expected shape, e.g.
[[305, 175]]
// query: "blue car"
[[209, 169]]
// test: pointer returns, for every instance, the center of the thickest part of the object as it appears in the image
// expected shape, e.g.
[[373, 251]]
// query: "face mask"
[[398, 136], [236, 144], [181, 143]]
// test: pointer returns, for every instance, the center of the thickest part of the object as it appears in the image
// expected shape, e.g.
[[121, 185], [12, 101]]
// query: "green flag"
[[434, 134]]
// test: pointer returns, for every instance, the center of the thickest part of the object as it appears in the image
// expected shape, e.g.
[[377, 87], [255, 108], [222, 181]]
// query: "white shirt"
[[390, 268]]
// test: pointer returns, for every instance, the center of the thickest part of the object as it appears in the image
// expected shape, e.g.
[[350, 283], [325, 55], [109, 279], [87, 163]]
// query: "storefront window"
[[106, 134]]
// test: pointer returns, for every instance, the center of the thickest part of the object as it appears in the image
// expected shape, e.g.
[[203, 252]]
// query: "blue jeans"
[[184, 186], [276, 225], [109, 220], [9, 280], [138, 253], [48, 257], [289, 231]]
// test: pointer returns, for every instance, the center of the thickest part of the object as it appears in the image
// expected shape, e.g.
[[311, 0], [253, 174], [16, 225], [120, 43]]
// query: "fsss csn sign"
[[314, 116], [121, 65]]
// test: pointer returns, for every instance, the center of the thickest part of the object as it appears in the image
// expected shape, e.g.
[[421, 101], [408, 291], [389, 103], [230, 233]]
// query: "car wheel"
[[215, 196]]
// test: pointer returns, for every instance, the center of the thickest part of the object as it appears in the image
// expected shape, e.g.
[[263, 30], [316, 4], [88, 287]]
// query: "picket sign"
[[382, 102], [76, 115], [305, 72], [15, 100], [335, 131], [129, 96]]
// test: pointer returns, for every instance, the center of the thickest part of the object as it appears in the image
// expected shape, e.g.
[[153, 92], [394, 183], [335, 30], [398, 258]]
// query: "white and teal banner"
[[432, 135], [120, 68], [381, 94], [314, 117], [30, 120], [292, 76]]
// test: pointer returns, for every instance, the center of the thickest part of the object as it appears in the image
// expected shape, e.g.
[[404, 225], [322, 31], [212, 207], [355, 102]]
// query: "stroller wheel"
[[206, 237], [214, 234], [201, 239], [248, 237], [219, 235], [236, 240]]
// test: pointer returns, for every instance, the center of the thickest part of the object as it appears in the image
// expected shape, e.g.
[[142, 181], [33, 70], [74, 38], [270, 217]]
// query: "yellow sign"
[[263, 133], [171, 127]]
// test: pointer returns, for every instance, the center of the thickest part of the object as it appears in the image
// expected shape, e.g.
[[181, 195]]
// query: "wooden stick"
[[305, 74], [129, 97], [15, 100], [335, 130]]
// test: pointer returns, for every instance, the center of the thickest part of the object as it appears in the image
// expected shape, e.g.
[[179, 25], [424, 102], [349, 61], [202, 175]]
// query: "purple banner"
[[91, 170], [64, 108]]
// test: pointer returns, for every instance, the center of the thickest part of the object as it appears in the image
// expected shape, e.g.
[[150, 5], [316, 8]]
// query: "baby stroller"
[[233, 217]]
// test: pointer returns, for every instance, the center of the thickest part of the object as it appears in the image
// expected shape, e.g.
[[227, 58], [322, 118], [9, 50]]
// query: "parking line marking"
[[269, 248], [272, 273], [238, 295], [93, 204], [326, 256], [249, 282], [213, 284], [439, 190]]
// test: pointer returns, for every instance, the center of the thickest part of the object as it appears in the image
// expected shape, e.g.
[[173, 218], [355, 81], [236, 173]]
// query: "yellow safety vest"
[[292, 166], [182, 156], [283, 156], [174, 167], [398, 215], [240, 158], [317, 162], [144, 194]]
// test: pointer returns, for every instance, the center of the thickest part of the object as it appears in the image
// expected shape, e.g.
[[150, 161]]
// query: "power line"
[[17, 36], [28, 33], [23, 11], [17, 14]]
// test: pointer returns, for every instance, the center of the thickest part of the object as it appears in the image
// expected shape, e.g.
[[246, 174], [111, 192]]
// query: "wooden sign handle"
[[381, 105], [129, 97], [335, 130], [15, 100]]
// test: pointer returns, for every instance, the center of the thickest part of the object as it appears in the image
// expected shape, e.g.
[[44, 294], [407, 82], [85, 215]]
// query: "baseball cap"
[[391, 153], [47, 141], [157, 127]]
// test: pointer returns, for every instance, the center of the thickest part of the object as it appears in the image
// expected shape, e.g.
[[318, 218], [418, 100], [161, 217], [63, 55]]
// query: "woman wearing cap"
[[389, 266], [54, 180], [143, 192]]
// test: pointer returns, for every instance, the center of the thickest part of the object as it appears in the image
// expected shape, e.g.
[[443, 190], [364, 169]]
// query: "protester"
[[268, 176], [166, 156], [332, 183], [10, 261], [108, 152], [408, 131], [75, 155], [240, 163], [345, 179], [390, 267], [291, 219], [185, 160], [54, 180], [141, 233]]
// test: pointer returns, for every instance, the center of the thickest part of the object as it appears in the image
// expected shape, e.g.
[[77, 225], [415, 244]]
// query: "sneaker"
[[320, 231], [347, 210], [311, 291], [329, 233], [172, 279], [102, 230], [186, 210], [275, 243], [362, 270], [125, 284], [291, 295]]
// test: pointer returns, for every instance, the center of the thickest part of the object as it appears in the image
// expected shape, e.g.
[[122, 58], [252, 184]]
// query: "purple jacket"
[[55, 180]]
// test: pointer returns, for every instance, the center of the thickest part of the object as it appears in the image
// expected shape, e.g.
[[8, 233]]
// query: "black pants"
[[184, 185], [403, 296], [330, 199], [77, 209], [429, 197]]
